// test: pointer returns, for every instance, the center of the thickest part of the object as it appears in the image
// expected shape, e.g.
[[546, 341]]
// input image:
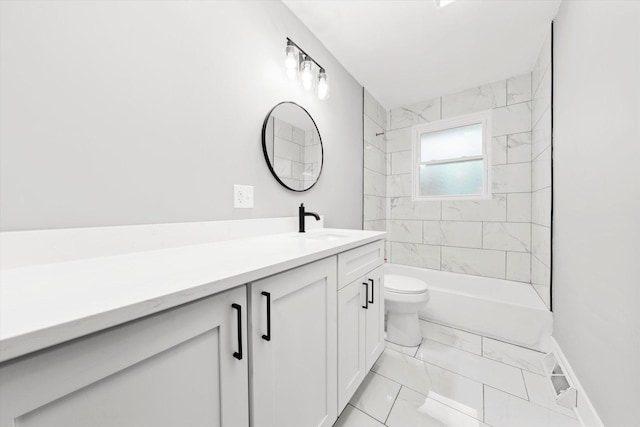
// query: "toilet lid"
[[404, 284]]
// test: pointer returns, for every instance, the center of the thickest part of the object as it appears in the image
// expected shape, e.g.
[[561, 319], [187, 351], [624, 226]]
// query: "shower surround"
[[505, 237]]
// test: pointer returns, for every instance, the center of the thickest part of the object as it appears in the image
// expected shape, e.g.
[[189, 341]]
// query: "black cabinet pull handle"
[[238, 354], [366, 297], [372, 291], [268, 336]]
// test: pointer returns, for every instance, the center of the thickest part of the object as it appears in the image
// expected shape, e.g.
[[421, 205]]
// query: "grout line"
[[525, 386], [484, 406], [359, 410], [393, 404]]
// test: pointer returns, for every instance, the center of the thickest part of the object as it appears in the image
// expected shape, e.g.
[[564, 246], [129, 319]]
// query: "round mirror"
[[292, 146]]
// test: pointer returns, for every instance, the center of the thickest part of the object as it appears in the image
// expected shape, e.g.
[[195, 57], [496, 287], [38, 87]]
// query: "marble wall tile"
[[505, 410], [282, 130], [540, 273], [541, 171], [374, 110], [298, 136], [452, 337], [423, 112], [282, 167], [405, 208], [476, 99], [382, 117], [388, 159], [453, 233], [398, 140], [511, 119], [519, 89], [374, 208], [540, 243], [494, 209], [541, 207], [403, 230], [374, 183], [374, 159], [372, 134], [499, 150], [519, 266], [401, 162], [479, 262], [513, 178], [507, 236], [542, 98], [519, 147], [287, 149], [541, 135], [425, 256], [377, 225], [542, 64], [519, 207], [399, 185]]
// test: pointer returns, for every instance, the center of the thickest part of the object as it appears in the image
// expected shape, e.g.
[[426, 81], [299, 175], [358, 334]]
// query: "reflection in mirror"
[[292, 146]]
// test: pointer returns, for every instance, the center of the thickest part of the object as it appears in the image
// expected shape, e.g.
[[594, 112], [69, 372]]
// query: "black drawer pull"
[[366, 297], [238, 354], [372, 291], [267, 337]]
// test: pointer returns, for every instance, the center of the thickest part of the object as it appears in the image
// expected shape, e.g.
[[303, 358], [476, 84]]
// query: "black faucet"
[[302, 214]]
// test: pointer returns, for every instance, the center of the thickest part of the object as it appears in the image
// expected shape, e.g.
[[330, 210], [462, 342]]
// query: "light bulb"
[[323, 85], [291, 61], [306, 75]]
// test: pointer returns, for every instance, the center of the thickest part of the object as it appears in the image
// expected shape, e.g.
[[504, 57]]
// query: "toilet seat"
[[403, 284]]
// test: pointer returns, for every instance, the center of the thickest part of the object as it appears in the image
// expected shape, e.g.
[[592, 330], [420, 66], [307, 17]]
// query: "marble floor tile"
[[439, 384], [352, 417], [505, 410], [414, 409], [410, 351], [513, 355], [452, 337], [478, 368], [540, 393], [375, 396]]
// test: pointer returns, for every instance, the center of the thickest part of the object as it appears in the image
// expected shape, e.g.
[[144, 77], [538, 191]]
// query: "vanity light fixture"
[[298, 62]]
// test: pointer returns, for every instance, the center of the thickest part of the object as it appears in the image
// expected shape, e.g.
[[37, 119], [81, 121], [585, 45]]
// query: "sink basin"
[[323, 236]]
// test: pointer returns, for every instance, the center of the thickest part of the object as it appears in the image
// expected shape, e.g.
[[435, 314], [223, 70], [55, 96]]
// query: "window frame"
[[483, 118]]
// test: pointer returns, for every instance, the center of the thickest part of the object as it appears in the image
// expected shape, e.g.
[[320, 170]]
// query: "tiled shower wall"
[[296, 154], [485, 237], [541, 174], [375, 167]]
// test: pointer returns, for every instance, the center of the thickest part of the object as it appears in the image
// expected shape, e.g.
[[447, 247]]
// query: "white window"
[[451, 158]]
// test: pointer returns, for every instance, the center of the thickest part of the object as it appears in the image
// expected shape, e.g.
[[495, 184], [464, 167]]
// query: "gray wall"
[[596, 268], [148, 112]]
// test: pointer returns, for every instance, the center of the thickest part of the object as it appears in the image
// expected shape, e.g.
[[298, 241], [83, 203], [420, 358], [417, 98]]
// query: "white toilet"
[[404, 296]]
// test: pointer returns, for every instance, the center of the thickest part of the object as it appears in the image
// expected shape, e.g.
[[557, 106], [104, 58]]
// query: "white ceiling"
[[405, 52]]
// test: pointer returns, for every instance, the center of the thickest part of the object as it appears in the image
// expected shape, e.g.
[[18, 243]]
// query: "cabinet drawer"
[[359, 261]]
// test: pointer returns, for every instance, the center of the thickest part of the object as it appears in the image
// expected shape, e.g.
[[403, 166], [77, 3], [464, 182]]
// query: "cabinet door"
[[174, 368], [293, 350], [375, 317], [351, 340]]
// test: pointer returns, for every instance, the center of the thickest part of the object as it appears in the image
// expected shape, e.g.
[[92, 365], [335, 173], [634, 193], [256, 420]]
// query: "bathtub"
[[501, 309]]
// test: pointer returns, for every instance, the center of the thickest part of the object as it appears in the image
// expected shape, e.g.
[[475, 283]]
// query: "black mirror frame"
[[266, 155]]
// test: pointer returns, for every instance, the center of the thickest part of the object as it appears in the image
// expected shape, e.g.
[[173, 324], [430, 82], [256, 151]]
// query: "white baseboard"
[[585, 411]]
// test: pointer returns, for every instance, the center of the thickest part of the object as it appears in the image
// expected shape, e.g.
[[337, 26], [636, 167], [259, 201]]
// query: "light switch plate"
[[243, 196]]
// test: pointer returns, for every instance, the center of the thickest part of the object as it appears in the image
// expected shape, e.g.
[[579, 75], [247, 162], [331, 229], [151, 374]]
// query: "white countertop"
[[48, 304]]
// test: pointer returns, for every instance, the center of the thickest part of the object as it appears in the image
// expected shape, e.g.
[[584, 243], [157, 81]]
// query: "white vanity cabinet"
[[293, 347], [360, 316], [180, 367]]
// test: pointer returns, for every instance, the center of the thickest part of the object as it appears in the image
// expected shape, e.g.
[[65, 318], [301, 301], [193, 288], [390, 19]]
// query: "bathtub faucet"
[[301, 216]]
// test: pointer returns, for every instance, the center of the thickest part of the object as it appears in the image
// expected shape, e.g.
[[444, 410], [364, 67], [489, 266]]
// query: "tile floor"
[[457, 379]]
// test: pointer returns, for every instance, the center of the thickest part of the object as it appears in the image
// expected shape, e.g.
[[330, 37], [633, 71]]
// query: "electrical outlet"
[[243, 196]]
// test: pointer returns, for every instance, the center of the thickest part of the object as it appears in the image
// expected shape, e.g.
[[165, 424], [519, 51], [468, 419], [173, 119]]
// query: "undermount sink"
[[325, 236]]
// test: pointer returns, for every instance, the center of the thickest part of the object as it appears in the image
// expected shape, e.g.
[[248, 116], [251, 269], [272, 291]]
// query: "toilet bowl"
[[404, 296]]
